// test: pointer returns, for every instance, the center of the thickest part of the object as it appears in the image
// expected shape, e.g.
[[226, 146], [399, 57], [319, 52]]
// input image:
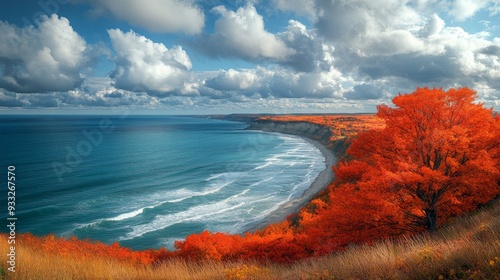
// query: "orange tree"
[[438, 156]]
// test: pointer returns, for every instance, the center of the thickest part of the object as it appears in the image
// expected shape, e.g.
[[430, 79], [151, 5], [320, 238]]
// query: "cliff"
[[320, 133], [310, 130]]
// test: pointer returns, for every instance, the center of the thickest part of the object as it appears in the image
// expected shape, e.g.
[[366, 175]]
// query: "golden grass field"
[[466, 248]]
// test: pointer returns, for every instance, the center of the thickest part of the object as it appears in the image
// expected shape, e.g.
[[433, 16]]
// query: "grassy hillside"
[[467, 248]]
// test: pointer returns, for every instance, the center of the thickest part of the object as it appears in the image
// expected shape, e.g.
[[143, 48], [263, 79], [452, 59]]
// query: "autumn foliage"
[[278, 242], [86, 249], [438, 156], [435, 154], [340, 125]]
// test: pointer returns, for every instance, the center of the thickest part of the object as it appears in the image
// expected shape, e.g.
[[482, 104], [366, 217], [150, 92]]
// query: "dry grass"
[[468, 248], [35, 265]]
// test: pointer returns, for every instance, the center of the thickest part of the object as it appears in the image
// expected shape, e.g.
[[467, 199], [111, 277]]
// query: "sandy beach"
[[293, 206]]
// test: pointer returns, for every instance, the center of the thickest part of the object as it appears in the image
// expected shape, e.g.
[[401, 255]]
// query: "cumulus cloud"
[[100, 92], [242, 34], [300, 7], [310, 52], [45, 58], [398, 41], [494, 8], [415, 68], [355, 55], [10, 100], [232, 80], [391, 42], [428, 6], [365, 91], [236, 85], [369, 27], [433, 26], [262, 105], [456, 58], [491, 50], [143, 65], [155, 15], [464, 9], [462, 49], [94, 92], [277, 82], [306, 85]]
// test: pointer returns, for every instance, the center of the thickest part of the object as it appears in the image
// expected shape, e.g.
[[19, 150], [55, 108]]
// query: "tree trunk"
[[431, 219]]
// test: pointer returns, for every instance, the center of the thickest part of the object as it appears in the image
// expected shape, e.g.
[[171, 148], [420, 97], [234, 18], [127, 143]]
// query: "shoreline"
[[321, 181]]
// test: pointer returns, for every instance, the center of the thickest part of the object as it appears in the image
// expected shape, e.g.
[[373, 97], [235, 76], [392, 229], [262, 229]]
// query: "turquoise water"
[[147, 181]]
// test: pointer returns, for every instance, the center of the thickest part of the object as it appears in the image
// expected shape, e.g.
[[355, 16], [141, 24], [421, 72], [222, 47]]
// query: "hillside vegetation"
[[341, 126], [386, 216], [436, 157], [466, 248]]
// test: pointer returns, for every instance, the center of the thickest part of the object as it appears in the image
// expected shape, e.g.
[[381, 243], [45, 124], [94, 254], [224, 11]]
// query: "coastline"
[[321, 181]]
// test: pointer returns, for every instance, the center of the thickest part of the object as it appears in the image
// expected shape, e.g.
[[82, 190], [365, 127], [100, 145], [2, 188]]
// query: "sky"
[[254, 56]]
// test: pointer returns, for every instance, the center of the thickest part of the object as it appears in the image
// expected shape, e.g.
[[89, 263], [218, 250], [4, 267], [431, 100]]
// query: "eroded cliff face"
[[314, 131], [310, 130]]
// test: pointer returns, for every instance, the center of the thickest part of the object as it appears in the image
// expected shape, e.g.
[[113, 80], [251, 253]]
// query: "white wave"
[[274, 160], [290, 139], [263, 165], [238, 195], [134, 213], [291, 161], [261, 181], [177, 200], [120, 217], [216, 188], [128, 215], [214, 177], [225, 176], [297, 151], [265, 198], [207, 211], [180, 199], [192, 214], [88, 225], [269, 211]]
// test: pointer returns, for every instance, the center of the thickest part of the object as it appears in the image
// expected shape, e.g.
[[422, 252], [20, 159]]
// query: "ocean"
[[146, 181]]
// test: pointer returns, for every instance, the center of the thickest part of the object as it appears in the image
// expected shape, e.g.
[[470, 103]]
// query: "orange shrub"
[[86, 249]]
